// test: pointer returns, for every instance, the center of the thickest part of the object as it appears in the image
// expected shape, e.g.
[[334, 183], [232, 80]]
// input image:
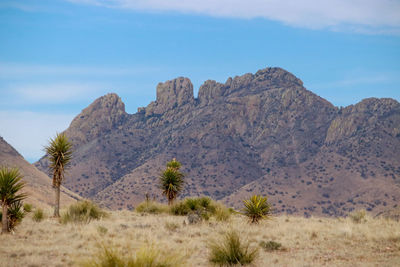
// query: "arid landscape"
[[304, 242], [167, 133]]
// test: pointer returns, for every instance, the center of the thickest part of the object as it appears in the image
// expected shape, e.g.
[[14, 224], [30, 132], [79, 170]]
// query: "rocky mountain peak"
[[171, 94], [104, 114]]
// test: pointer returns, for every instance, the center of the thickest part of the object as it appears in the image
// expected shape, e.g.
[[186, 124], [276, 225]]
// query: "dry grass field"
[[305, 242]]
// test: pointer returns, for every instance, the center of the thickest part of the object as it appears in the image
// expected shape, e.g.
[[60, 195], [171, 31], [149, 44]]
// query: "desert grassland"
[[305, 241]]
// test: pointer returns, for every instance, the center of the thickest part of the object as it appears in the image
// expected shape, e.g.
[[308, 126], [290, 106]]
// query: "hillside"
[[256, 133], [38, 185]]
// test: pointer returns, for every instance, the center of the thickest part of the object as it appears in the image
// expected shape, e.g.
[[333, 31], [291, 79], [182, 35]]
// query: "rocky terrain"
[[256, 133], [38, 185]]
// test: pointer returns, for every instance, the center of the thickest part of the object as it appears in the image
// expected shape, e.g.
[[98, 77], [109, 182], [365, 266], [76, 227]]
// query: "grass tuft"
[[231, 251], [151, 207], [28, 207], [38, 215], [358, 216], [146, 257], [82, 212]]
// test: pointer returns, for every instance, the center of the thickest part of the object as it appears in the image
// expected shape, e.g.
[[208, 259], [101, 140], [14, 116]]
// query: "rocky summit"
[[261, 133]]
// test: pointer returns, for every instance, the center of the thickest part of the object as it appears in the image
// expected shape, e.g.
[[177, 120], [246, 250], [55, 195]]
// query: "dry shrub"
[[151, 207], [146, 257], [231, 250], [82, 212]]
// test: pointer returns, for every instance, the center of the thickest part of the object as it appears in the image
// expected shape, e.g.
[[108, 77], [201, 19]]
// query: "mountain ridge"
[[255, 127]]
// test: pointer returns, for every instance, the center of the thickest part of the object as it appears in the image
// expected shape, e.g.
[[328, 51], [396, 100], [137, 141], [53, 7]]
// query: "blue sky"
[[57, 56]]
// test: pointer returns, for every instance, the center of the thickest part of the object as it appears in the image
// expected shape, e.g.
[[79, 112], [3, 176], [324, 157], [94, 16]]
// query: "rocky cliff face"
[[256, 133]]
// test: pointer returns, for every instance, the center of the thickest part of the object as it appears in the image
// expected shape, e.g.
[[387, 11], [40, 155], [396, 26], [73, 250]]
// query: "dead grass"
[[307, 242]]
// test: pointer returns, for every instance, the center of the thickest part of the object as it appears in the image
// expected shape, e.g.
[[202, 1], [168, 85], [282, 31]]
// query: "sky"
[[58, 56]]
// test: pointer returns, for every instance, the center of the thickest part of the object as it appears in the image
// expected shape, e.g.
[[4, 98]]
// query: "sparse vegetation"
[[148, 256], [171, 181], [270, 245], [205, 207], [152, 207], [10, 198], [256, 208], [28, 207], [59, 153], [82, 212], [231, 250], [38, 215], [358, 216]]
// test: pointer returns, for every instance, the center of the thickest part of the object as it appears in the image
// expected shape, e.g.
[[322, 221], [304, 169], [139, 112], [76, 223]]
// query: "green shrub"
[[82, 212], [256, 208], [358, 216], [270, 245], [231, 250], [27, 207], [38, 215], [151, 207], [205, 207], [145, 257]]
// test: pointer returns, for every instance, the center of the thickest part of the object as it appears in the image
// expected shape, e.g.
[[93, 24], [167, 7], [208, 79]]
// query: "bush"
[[256, 208], [205, 207], [231, 250], [270, 245], [27, 207], [38, 215], [82, 212], [358, 216], [145, 257], [151, 207]]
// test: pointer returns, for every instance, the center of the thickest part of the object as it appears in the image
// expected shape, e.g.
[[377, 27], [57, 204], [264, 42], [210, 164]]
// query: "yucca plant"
[[59, 153], [15, 214], [10, 186], [171, 181], [256, 208]]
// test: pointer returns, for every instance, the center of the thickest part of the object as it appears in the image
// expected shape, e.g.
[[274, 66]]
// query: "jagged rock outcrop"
[[256, 133], [170, 95], [100, 117]]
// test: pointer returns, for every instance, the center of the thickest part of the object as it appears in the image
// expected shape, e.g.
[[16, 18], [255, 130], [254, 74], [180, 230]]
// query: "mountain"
[[38, 185], [256, 133]]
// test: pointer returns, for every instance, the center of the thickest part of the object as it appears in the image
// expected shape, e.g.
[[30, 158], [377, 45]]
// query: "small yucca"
[[256, 208]]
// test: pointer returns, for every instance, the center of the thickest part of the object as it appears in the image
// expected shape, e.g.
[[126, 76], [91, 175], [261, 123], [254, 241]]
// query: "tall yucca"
[[171, 181], [59, 153], [256, 208], [10, 185]]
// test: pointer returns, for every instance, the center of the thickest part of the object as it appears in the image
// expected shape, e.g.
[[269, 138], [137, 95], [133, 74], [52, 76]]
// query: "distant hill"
[[38, 185], [258, 133]]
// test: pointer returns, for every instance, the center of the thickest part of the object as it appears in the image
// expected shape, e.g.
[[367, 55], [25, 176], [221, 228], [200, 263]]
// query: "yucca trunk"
[[57, 201], [4, 219]]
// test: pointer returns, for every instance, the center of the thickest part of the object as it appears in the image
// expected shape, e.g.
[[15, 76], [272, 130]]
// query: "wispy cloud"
[[29, 131], [11, 69], [366, 16]]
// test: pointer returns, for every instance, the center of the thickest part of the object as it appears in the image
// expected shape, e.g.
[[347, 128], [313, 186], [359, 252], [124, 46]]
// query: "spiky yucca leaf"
[[256, 208], [59, 153], [10, 184], [171, 183], [174, 164]]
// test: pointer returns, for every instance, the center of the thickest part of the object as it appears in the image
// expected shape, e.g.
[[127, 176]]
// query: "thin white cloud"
[[29, 131], [11, 69], [52, 93], [367, 16]]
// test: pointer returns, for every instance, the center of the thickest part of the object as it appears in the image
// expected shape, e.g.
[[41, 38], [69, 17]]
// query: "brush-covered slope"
[[38, 185], [256, 133]]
